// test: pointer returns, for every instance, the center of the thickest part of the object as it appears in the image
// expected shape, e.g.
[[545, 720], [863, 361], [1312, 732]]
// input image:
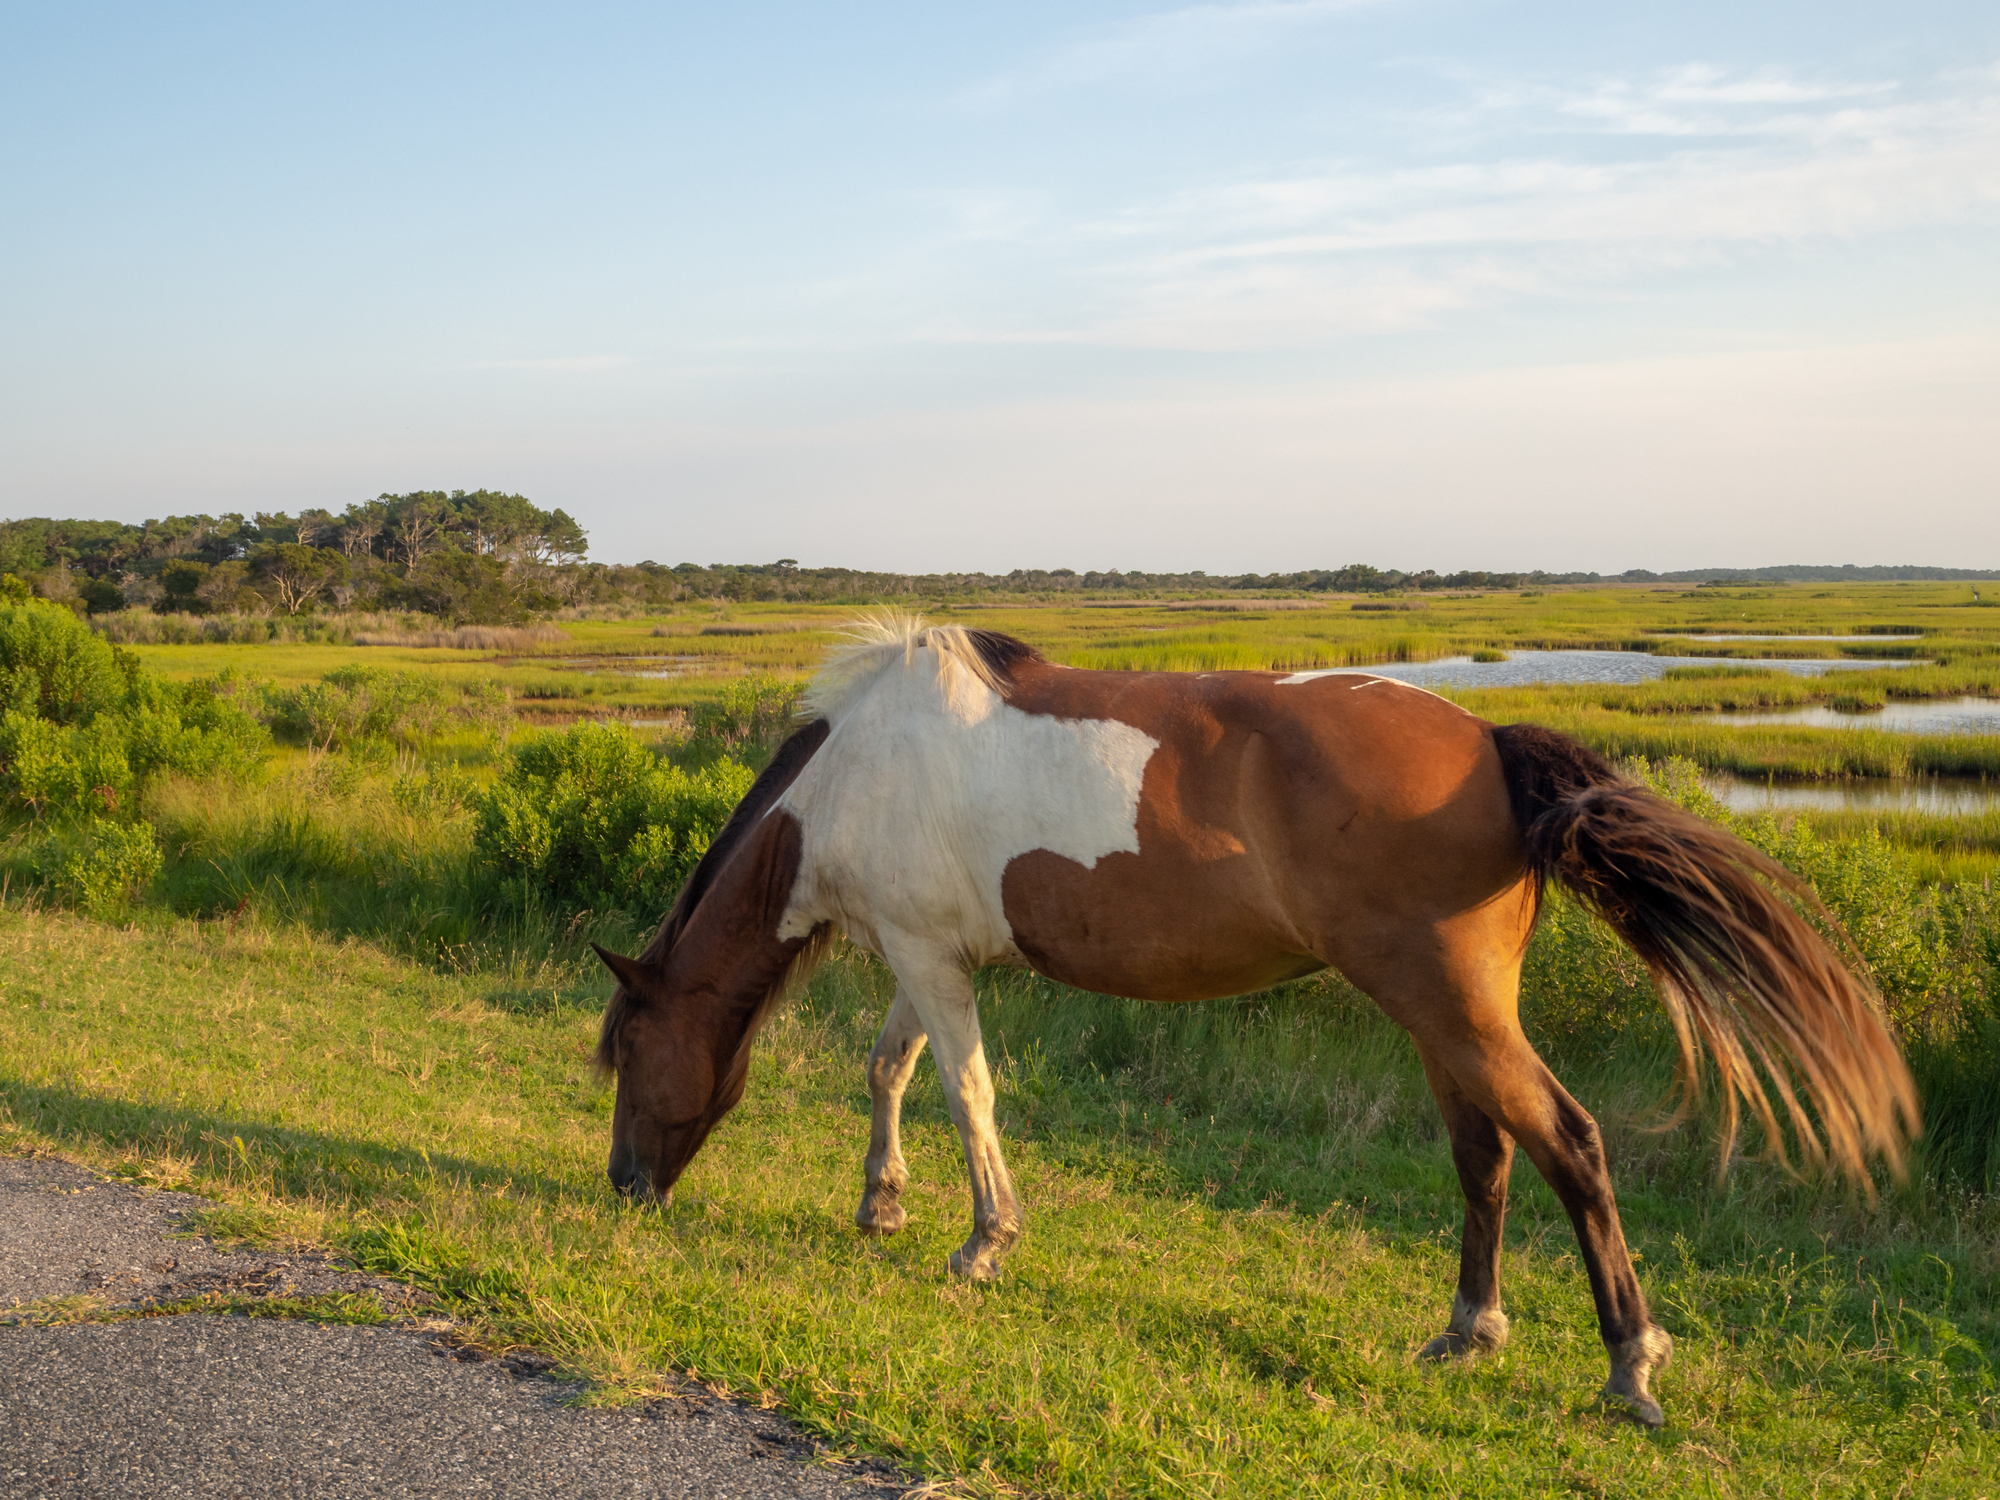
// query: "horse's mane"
[[764, 791], [965, 656]]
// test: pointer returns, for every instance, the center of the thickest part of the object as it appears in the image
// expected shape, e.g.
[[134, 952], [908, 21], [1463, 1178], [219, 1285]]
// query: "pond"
[[1942, 796], [1909, 716], [1524, 668]]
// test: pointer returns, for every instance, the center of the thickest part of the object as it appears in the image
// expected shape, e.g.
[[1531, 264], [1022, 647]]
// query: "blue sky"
[[1445, 283]]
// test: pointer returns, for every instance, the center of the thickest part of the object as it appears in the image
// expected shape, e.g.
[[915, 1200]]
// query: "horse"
[[956, 800]]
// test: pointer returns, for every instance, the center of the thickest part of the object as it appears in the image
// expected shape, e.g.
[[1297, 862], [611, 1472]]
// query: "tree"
[[463, 588], [315, 527], [557, 540], [225, 587], [274, 526], [294, 574], [102, 595], [417, 521], [495, 523], [360, 525], [182, 580]]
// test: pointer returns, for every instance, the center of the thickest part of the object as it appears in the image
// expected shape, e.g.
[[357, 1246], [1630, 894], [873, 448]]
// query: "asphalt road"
[[197, 1404]]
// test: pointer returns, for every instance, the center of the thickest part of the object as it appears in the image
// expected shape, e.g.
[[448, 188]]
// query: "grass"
[[1218, 1294]]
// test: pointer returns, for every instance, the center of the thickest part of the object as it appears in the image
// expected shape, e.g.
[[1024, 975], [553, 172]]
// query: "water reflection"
[[1526, 668], [1941, 796], [1926, 716]]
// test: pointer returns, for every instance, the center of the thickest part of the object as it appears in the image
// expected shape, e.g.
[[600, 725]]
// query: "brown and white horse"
[[957, 801]]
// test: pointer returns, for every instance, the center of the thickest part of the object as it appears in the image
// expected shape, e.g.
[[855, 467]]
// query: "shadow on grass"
[[287, 1160]]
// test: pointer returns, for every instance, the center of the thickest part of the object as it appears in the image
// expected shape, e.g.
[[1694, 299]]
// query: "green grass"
[[1242, 1220]]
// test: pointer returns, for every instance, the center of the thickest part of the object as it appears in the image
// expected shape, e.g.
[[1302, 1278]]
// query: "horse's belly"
[[1127, 927]]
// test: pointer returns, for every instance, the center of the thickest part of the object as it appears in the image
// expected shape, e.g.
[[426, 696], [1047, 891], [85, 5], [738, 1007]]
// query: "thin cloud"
[[1173, 48], [1701, 99], [1353, 248]]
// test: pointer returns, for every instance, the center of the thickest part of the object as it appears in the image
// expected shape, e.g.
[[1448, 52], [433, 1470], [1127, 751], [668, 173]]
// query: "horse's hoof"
[[969, 1264], [978, 1259], [1643, 1409], [1632, 1365], [876, 1217], [1472, 1330]]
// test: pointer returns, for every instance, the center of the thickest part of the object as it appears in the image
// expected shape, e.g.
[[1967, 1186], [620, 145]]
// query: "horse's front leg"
[[940, 990], [889, 1068]]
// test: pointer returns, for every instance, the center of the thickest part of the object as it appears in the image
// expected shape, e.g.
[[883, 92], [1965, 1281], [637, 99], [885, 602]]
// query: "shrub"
[[83, 726], [78, 769], [53, 668], [96, 864], [745, 722], [590, 819], [353, 706]]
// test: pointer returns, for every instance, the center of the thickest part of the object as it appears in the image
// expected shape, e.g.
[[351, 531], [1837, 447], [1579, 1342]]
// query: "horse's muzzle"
[[633, 1181]]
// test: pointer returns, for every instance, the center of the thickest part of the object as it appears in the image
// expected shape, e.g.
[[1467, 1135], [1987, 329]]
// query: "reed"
[[510, 638]]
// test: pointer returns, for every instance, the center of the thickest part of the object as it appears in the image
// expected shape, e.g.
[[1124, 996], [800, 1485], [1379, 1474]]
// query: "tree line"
[[472, 555], [481, 556]]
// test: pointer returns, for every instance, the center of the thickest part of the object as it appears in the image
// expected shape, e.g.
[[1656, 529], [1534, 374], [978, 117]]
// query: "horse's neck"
[[730, 963]]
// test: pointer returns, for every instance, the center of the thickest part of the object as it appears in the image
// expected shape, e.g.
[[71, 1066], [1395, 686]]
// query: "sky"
[[1267, 285]]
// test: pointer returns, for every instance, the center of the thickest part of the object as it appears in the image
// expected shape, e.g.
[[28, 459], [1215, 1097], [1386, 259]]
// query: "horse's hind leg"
[[1484, 1155], [1500, 1073], [889, 1068]]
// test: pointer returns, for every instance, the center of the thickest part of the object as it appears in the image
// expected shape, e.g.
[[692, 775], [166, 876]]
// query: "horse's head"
[[679, 1072]]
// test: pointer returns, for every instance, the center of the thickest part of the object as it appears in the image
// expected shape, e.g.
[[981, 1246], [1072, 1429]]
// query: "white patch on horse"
[[929, 776], [1298, 678]]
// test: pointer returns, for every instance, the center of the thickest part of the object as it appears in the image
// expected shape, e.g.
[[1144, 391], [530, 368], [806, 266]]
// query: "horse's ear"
[[637, 977]]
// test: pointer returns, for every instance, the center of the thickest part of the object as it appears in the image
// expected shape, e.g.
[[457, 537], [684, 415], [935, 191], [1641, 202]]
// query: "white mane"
[[877, 642]]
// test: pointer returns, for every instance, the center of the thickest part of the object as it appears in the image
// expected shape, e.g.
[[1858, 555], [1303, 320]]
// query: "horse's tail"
[[1743, 976]]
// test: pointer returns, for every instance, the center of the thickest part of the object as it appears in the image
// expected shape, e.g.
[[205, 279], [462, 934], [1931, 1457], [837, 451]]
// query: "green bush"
[[361, 705], [95, 864], [53, 668], [83, 726], [75, 769], [590, 819], [745, 722]]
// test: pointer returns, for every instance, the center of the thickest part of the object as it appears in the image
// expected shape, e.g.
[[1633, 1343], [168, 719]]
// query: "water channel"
[[1908, 716], [1940, 796], [1528, 668]]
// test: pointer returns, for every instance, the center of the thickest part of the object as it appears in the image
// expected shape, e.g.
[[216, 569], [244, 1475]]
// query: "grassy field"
[[1242, 1215]]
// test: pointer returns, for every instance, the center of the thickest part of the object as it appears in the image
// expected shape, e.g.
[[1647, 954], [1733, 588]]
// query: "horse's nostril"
[[623, 1170]]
